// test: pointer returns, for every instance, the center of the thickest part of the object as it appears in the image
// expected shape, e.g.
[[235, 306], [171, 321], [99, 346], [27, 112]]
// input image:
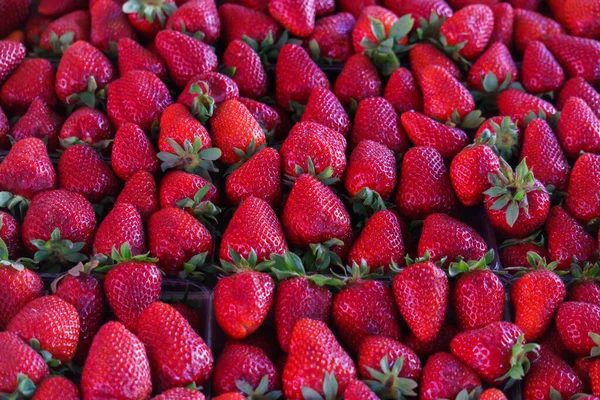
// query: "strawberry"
[[175, 237], [376, 120], [422, 289], [332, 37], [358, 80], [364, 308], [241, 365], [568, 239], [372, 168], [117, 365], [517, 204], [14, 14], [20, 284], [504, 18], [578, 325], [248, 72], [423, 55], [355, 7], [578, 87], [50, 321], [10, 234], [324, 108], [584, 287], [54, 8], [495, 60], [34, 27], [123, 224], [66, 30], [33, 79], [402, 92], [182, 393], [4, 129], [445, 376], [578, 128], [12, 55], [177, 354], [108, 25], [56, 387], [246, 137], [358, 390], [427, 132], [315, 360], [149, 17], [540, 72], [132, 152], [133, 57], [83, 69], [530, 25], [238, 21], [197, 18], [191, 315], [40, 122], [517, 105], [469, 172], [82, 170], [20, 363], [274, 119], [297, 16], [185, 56], [494, 351], [416, 201], [313, 214], [594, 372], [140, 191], [440, 343], [86, 125], [492, 394], [544, 155], [513, 252], [581, 18], [204, 92], [584, 181], [296, 75], [194, 194], [138, 97], [550, 373], [473, 24], [419, 9], [311, 146]]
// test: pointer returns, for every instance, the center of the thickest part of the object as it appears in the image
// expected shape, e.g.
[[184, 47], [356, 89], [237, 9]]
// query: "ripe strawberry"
[[517, 105], [495, 60], [358, 80], [584, 287], [445, 376], [52, 322], [423, 55], [540, 72], [504, 18], [324, 108], [194, 194], [233, 127], [427, 132], [576, 323], [56, 387], [578, 128], [241, 363], [440, 343], [419, 9], [549, 372], [513, 252], [420, 290], [544, 155], [314, 358], [584, 181], [18, 358], [297, 16], [594, 372], [123, 224], [132, 152], [296, 76], [355, 7], [324, 7], [138, 97], [581, 18], [204, 92], [56, 8], [10, 234], [32, 80], [140, 191], [109, 24], [492, 394], [133, 57], [12, 55], [248, 71], [530, 25], [275, 120], [402, 92], [469, 172], [66, 30], [86, 125], [332, 37], [149, 17], [39, 122], [20, 286], [494, 351], [238, 21], [473, 24], [175, 237], [4, 129], [578, 87], [313, 214], [424, 164], [197, 18], [34, 27], [568, 239], [372, 166], [376, 120], [117, 365], [184, 393], [185, 56], [358, 390]]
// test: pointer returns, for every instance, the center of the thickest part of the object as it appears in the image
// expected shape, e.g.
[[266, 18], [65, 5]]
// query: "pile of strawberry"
[[338, 172]]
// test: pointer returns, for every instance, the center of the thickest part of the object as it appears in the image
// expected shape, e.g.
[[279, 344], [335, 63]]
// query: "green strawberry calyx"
[[367, 202], [320, 256], [260, 393], [586, 271], [61, 44], [425, 258], [429, 30], [462, 267], [289, 265], [18, 265], [595, 352], [52, 362], [472, 395], [488, 98], [205, 211], [239, 263], [203, 105], [536, 238], [16, 205], [358, 272], [119, 256], [150, 10], [326, 176], [244, 156], [387, 383], [192, 157], [25, 388], [80, 269], [194, 267], [198, 35], [57, 250], [536, 263], [519, 361], [505, 138], [92, 97], [329, 389], [268, 49], [551, 119], [471, 121]]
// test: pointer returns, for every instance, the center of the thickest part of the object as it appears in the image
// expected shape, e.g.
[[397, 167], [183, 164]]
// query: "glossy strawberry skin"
[[402, 92], [548, 370], [474, 24], [88, 125], [584, 180], [19, 358], [516, 255], [443, 94], [504, 18], [358, 80], [77, 23], [478, 299], [41, 122], [220, 88], [123, 224], [13, 54], [197, 16], [20, 287], [132, 56], [419, 8], [10, 233], [297, 16], [180, 392], [469, 172], [530, 25], [259, 177], [444, 376], [578, 129], [179, 125], [362, 29], [371, 165], [517, 105], [274, 118], [179, 185], [423, 55], [574, 320], [324, 108], [586, 291], [33, 79], [578, 87], [376, 120], [358, 390], [140, 191], [132, 152], [56, 386], [108, 24], [238, 21], [572, 53], [333, 34], [249, 75], [567, 239], [497, 60], [540, 72], [374, 348]]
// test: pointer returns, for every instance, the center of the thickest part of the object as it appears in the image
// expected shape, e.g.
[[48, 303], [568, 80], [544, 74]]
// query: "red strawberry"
[[194, 194], [577, 323], [494, 351], [324, 108], [544, 155], [149, 17], [358, 390], [584, 288], [517, 105], [540, 72], [427, 132], [530, 25], [355, 7], [440, 343], [402, 92], [248, 72], [419, 9], [578, 87], [140, 191], [66, 30], [445, 376], [86, 125], [138, 97], [56, 387], [549, 372], [117, 365], [504, 18], [376, 120], [52, 322], [108, 25], [185, 393], [421, 290], [197, 18], [238, 21], [424, 164], [34, 27], [133, 57], [123, 224], [14, 14], [39, 122], [12, 55], [372, 166], [578, 128], [241, 363], [296, 76], [358, 80], [80, 63], [4, 129], [297, 16], [332, 37], [10, 234], [18, 358], [315, 357], [33, 79], [495, 60], [185, 56], [423, 55], [274, 119], [581, 18], [20, 286], [568, 239], [584, 181], [132, 152], [56, 8], [191, 315], [473, 24]]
